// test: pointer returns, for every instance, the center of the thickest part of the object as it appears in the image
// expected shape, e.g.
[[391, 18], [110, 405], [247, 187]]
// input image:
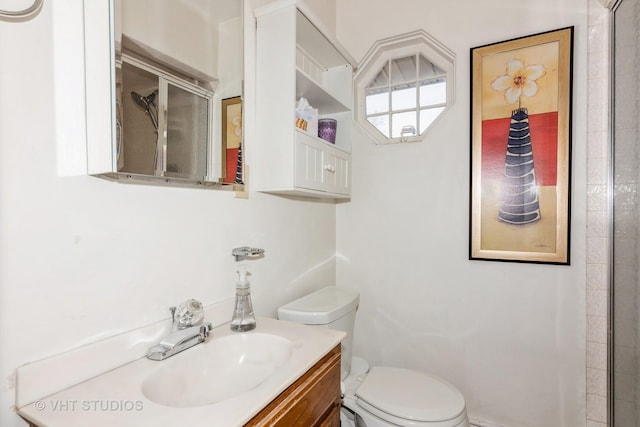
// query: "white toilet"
[[380, 396]]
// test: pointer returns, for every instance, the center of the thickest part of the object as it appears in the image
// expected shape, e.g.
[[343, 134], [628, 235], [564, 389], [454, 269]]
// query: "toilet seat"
[[381, 397], [398, 396]]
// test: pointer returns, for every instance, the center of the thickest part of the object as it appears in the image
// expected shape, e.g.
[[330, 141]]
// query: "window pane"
[[427, 116], [382, 79], [433, 93], [403, 70], [403, 121], [412, 71], [428, 69], [377, 102], [381, 123], [403, 97], [187, 115]]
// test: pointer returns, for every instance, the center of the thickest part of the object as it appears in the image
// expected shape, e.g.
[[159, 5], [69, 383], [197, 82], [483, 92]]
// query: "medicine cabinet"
[[157, 72]]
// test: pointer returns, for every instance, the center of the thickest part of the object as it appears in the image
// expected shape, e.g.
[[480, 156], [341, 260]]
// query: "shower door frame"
[[610, 202], [613, 6]]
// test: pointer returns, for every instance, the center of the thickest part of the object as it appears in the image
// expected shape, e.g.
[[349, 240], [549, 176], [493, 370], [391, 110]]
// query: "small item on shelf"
[[327, 129], [308, 114], [301, 124]]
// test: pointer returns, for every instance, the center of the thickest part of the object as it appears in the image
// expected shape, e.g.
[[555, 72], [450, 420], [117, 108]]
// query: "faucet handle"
[[189, 313]]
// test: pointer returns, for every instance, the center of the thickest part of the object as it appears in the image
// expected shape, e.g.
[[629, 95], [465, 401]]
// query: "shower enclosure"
[[625, 268]]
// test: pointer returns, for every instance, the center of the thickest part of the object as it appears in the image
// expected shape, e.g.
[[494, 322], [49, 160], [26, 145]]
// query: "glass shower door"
[[187, 133], [625, 390], [166, 124]]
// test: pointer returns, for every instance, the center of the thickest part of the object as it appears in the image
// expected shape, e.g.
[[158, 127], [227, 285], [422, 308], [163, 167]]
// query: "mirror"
[[176, 63]]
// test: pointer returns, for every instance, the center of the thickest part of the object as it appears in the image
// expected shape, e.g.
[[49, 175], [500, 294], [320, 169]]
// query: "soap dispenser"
[[243, 317]]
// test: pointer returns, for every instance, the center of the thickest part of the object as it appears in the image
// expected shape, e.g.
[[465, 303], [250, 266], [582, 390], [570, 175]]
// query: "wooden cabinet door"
[[312, 401], [332, 419]]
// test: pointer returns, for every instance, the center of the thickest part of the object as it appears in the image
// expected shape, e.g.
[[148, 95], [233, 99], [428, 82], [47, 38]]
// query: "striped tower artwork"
[[239, 166], [520, 203]]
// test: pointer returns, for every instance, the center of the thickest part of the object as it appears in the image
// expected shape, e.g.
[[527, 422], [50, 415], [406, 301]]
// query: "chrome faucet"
[[245, 251], [179, 340], [187, 330]]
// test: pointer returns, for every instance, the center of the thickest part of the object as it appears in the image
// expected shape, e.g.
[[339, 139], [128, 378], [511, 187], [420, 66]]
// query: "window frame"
[[383, 52]]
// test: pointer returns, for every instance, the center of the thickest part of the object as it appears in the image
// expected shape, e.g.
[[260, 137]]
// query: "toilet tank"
[[330, 307]]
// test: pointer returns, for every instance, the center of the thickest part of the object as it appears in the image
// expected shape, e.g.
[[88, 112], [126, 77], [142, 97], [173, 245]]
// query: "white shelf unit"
[[294, 59]]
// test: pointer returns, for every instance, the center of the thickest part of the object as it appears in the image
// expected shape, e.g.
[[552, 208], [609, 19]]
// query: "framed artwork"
[[521, 149], [232, 140]]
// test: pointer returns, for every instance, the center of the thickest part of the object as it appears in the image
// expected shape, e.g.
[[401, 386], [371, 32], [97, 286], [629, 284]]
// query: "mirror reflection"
[[176, 64]]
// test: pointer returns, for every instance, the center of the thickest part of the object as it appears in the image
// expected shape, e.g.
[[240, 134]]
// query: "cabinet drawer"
[[312, 401], [336, 171], [310, 163], [320, 166]]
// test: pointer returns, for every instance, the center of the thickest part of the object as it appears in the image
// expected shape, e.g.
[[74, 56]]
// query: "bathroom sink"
[[220, 369], [229, 378]]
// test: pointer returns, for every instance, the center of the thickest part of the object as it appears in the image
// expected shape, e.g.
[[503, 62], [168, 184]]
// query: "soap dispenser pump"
[[243, 317]]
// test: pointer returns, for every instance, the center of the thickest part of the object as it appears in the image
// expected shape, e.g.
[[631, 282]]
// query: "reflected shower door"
[[187, 127]]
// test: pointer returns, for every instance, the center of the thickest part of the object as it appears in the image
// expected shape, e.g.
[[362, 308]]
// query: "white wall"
[[510, 336], [169, 26], [82, 258]]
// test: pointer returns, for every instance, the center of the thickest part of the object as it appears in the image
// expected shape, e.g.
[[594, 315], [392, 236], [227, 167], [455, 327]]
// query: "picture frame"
[[232, 140], [521, 102]]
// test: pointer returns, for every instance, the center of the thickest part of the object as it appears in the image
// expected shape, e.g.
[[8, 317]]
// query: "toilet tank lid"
[[320, 307]]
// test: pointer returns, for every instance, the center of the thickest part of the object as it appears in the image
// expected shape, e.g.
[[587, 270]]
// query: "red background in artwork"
[[544, 140], [232, 163]]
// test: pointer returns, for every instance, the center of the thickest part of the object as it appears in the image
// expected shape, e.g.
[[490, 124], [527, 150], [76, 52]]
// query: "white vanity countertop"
[[116, 398]]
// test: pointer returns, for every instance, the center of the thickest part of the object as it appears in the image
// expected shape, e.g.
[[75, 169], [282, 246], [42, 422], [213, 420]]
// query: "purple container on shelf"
[[327, 129]]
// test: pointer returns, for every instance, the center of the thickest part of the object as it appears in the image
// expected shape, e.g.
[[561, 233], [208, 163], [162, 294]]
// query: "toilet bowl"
[[377, 396]]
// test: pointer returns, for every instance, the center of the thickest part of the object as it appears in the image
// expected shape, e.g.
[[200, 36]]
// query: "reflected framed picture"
[[232, 140], [521, 149]]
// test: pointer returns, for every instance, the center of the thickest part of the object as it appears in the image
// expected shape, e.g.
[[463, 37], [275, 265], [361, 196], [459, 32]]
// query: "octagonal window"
[[402, 89]]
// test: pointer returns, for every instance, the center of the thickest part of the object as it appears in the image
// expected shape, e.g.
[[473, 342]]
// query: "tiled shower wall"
[[597, 213], [627, 179]]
